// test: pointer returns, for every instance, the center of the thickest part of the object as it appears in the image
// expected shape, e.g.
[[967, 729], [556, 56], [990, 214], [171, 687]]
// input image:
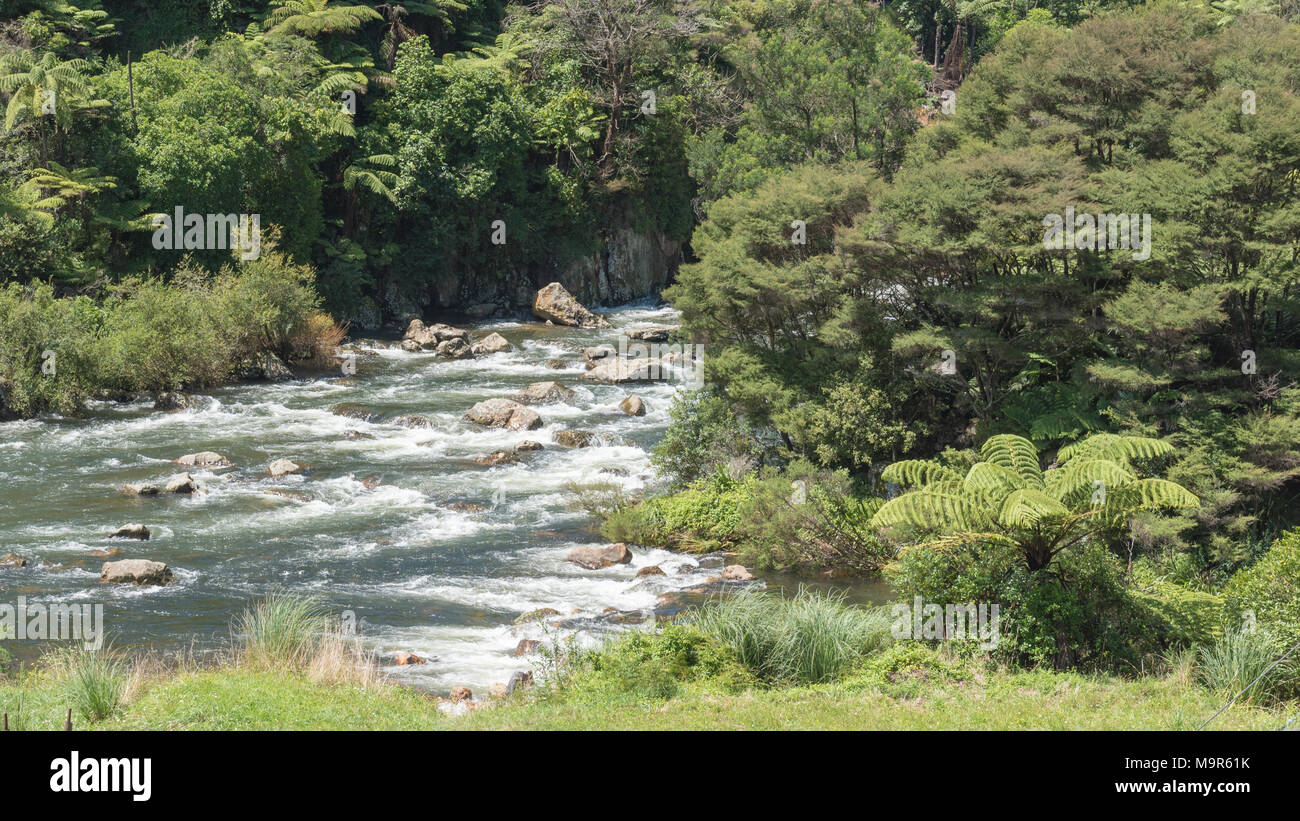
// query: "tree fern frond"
[[1015, 453], [918, 472]]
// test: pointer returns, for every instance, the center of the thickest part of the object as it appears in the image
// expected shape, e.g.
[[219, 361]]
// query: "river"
[[437, 558]]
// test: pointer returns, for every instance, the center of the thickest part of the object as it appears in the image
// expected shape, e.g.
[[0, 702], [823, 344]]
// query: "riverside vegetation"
[[902, 377]]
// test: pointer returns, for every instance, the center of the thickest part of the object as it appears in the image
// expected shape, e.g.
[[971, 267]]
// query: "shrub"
[[806, 639], [1267, 593], [1241, 660], [1078, 614], [701, 518], [657, 664], [283, 630], [94, 682], [704, 437], [1189, 616]]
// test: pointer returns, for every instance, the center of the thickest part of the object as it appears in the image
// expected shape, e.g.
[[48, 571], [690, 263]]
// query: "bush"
[[1239, 658], [1189, 616], [153, 335], [655, 665], [283, 630], [1267, 593], [1078, 613], [807, 639], [95, 682], [702, 518], [705, 436]]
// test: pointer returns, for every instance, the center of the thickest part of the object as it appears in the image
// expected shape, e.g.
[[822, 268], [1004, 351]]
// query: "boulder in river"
[[135, 571], [403, 659], [528, 445], [492, 343], [283, 467], [461, 693], [736, 573], [521, 680], [181, 483], [595, 353], [504, 413], [652, 570], [574, 438], [537, 615], [353, 410], [555, 304], [453, 349], [428, 337], [13, 560], [633, 406], [618, 371], [542, 393], [174, 401], [497, 457], [412, 420], [597, 558], [205, 459], [659, 334], [131, 531], [557, 364], [352, 433], [265, 366], [524, 647], [140, 489]]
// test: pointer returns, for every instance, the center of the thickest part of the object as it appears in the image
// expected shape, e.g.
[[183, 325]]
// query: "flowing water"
[[438, 558]]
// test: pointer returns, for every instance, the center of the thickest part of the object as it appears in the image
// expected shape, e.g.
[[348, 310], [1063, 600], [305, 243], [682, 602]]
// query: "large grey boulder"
[[135, 571], [556, 304], [504, 413], [542, 393]]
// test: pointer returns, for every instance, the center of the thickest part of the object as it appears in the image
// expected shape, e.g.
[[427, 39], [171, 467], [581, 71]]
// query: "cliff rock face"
[[630, 266]]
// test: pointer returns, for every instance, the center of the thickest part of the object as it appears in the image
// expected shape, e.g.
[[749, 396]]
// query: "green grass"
[[282, 629], [807, 639], [245, 699]]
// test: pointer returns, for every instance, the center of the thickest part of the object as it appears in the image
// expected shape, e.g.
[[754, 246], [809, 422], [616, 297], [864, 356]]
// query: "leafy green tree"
[[1007, 497]]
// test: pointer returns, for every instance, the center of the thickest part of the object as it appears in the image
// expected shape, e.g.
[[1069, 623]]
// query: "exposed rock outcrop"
[[542, 393], [633, 406], [597, 558], [556, 304], [503, 413], [135, 571]]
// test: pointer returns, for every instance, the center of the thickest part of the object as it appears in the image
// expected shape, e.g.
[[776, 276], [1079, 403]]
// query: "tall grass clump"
[[94, 682], [282, 630], [810, 638], [1238, 658]]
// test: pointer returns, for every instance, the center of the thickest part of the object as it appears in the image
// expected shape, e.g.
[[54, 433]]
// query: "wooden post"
[[68, 725]]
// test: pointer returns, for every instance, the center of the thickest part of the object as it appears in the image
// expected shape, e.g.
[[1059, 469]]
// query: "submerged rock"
[[13, 560], [527, 446], [652, 570], [555, 304], [135, 571], [504, 413], [352, 410], [597, 558], [131, 531], [412, 420], [404, 659]]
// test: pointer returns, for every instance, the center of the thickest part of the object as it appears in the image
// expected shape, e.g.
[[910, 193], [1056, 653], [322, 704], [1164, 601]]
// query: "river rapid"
[[438, 557]]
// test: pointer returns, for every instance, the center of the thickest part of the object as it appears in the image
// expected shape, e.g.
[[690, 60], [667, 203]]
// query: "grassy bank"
[[751, 662], [232, 698]]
